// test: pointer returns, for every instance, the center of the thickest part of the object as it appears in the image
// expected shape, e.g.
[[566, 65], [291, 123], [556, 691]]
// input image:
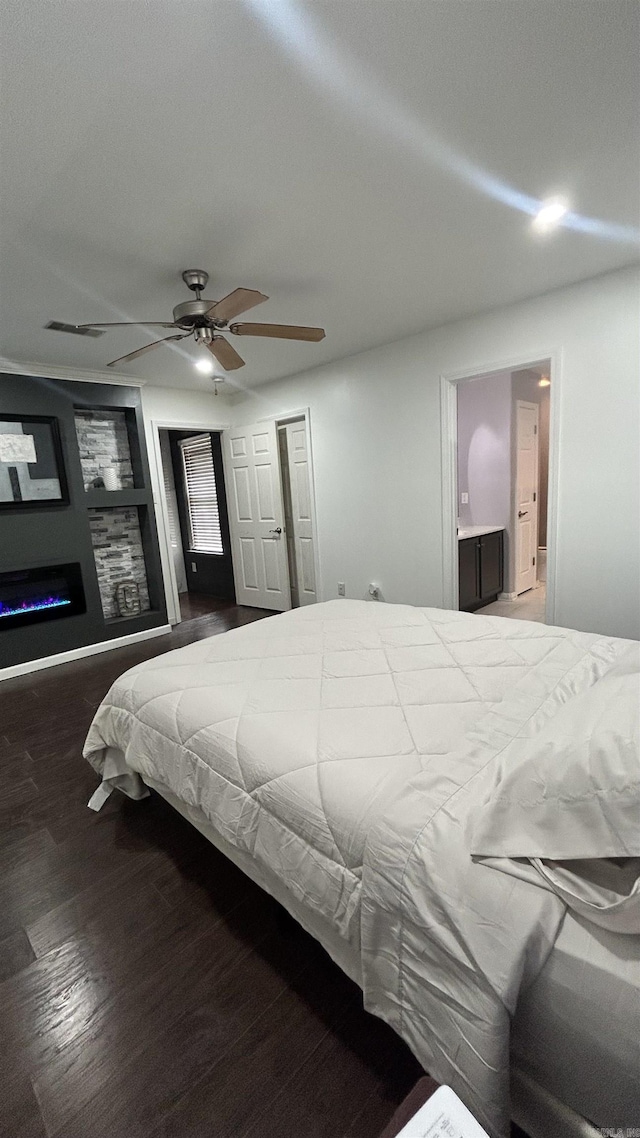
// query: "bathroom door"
[[526, 505]]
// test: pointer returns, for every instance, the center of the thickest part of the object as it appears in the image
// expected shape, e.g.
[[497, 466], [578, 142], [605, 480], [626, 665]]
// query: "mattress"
[[557, 1020], [339, 747], [304, 726], [585, 1006]]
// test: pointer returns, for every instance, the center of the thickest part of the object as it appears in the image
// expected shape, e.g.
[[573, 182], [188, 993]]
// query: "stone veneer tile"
[[103, 440], [118, 554]]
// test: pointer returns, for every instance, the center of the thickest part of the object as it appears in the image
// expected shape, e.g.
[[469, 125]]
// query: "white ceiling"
[[327, 153]]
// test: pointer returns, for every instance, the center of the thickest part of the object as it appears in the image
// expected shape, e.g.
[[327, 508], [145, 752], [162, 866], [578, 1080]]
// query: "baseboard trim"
[[507, 596], [79, 653]]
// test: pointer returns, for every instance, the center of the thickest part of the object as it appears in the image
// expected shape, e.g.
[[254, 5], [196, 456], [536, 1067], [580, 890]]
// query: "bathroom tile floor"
[[528, 606]]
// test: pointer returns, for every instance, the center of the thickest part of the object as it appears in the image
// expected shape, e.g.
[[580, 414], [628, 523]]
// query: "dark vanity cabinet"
[[480, 570]]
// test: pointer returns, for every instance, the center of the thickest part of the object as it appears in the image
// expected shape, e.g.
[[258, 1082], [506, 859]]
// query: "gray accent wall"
[[62, 533]]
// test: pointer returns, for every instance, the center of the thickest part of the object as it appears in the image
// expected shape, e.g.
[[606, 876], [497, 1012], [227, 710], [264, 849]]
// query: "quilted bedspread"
[[346, 746]]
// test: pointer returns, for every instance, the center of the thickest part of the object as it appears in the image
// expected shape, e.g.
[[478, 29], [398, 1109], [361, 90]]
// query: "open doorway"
[[198, 525], [502, 424]]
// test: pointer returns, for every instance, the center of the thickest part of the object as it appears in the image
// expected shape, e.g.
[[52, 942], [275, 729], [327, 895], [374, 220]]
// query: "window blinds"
[[202, 498]]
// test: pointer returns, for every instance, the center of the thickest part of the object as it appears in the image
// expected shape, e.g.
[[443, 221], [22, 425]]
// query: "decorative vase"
[[111, 478]]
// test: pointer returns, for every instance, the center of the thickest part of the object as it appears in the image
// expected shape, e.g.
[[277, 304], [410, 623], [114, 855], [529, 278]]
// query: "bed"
[[341, 755]]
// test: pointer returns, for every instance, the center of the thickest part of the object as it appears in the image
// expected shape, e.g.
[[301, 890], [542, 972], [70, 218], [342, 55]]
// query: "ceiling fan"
[[204, 319]]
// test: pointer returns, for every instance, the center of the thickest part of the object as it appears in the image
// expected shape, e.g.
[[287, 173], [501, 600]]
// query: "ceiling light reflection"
[[550, 215], [345, 78]]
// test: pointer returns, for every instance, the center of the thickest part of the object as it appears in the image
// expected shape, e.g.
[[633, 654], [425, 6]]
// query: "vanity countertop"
[[477, 531]]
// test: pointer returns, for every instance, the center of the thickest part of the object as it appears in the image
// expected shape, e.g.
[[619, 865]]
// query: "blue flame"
[[33, 606]]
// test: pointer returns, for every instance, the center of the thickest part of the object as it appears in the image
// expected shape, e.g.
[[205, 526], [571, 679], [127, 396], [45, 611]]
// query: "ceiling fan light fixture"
[[204, 365]]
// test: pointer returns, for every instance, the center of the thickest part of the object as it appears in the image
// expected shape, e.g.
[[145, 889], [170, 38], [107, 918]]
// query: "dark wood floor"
[[147, 988], [193, 605]]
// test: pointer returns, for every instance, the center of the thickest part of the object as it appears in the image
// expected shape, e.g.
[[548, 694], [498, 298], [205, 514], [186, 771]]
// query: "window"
[[205, 535]]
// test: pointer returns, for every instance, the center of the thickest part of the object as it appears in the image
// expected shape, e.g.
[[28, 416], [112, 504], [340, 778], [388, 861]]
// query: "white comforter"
[[347, 747]]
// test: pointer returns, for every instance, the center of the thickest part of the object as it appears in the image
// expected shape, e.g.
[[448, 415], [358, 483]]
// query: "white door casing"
[[256, 516], [525, 503], [288, 516], [298, 512], [164, 526]]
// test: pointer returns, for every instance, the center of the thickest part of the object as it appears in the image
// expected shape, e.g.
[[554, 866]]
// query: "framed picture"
[[31, 466]]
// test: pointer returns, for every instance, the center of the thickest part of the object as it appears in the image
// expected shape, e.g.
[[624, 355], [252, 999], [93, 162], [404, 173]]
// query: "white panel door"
[[256, 517], [299, 512], [526, 506]]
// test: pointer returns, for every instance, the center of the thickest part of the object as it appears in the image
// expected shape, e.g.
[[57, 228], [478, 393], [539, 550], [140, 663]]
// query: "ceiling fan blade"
[[147, 348], [225, 353], [236, 302], [278, 331], [129, 323]]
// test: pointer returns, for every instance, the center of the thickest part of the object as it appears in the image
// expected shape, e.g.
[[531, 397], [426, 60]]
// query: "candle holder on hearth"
[[127, 597]]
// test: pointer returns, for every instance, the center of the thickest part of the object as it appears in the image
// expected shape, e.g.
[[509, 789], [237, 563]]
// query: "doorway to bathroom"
[[500, 424]]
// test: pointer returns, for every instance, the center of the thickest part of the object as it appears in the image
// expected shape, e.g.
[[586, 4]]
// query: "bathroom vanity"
[[480, 566]]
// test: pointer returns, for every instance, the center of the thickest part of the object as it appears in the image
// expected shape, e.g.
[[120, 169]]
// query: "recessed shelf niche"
[[104, 442], [119, 557]]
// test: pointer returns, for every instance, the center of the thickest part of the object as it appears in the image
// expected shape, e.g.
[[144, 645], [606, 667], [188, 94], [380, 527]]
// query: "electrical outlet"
[[464, 499], [341, 588], [194, 567]]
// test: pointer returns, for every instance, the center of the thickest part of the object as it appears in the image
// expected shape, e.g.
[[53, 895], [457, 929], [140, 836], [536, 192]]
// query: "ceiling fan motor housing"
[[193, 314]]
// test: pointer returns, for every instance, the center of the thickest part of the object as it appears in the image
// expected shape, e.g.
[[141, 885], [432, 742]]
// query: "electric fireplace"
[[28, 596]]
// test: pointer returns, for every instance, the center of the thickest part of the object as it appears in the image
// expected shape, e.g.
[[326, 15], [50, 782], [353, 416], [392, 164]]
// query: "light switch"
[[464, 499]]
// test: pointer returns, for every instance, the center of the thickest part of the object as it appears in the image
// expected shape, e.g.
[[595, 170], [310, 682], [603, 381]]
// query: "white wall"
[[179, 406], [176, 407], [375, 425]]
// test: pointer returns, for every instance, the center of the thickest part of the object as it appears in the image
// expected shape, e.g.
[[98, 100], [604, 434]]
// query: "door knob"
[[522, 513], [278, 530]]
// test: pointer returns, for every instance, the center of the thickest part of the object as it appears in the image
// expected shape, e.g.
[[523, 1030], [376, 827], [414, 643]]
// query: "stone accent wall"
[[103, 440], [118, 553]]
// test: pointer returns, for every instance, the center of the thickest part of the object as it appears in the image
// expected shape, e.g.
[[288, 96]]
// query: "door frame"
[[162, 510], [449, 457]]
